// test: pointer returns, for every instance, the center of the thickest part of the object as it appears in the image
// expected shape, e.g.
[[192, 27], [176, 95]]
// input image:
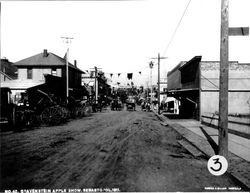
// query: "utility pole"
[[223, 94], [96, 84], [159, 90], [147, 90], [67, 74], [67, 41], [151, 64], [224, 71]]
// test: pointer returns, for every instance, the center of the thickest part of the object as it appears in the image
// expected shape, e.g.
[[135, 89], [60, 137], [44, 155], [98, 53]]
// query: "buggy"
[[130, 103], [50, 105], [8, 109], [116, 104]]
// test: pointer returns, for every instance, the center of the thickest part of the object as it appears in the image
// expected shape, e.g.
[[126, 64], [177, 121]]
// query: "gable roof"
[[39, 60]]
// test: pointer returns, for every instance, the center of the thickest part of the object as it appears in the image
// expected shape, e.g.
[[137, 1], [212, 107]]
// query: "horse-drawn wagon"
[[50, 104], [116, 104], [131, 103]]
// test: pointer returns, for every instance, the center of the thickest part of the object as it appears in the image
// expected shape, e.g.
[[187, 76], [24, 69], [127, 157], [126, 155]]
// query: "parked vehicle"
[[8, 109], [116, 104], [45, 104], [50, 104], [145, 106], [131, 103], [13, 116]]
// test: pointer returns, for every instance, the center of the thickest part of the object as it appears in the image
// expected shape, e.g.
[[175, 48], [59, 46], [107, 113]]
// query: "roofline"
[[48, 65], [194, 59], [183, 90], [176, 67], [17, 64], [183, 63], [38, 65], [69, 64], [179, 65], [219, 61]]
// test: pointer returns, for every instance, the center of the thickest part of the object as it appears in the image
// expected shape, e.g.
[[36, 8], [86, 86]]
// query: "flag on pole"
[[140, 72], [111, 75], [119, 74]]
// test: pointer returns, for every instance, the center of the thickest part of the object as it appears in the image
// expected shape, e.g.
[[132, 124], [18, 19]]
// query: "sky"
[[123, 36]]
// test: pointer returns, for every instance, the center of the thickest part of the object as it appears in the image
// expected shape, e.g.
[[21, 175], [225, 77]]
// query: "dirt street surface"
[[129, 150]]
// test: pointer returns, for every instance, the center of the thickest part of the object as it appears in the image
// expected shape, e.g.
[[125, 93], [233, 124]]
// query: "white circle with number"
[[217, 165]]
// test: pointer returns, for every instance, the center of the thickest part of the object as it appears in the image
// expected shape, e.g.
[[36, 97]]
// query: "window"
[[29, 73], [53, 72]]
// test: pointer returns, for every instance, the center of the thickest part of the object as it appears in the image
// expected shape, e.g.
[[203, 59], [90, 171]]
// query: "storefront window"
[[29, 73]]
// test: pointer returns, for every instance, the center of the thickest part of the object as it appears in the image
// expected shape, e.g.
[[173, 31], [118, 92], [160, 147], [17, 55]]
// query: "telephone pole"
[[159, 90], [96, 84], [224, 71], [67, 41], [151, 64], [223, 94]]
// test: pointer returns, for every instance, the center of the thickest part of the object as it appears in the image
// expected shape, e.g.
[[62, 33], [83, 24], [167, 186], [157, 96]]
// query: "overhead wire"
[[177, 27], [171, 40]]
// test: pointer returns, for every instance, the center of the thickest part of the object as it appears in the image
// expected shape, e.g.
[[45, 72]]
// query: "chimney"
[[75, 62], [45, 53]]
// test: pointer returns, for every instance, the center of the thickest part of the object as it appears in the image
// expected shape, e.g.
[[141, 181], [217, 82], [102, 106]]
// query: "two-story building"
[[195, 84], [31, 72]]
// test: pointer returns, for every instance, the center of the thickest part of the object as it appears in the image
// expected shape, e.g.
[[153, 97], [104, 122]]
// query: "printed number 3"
[[216, 161], [217, 165]]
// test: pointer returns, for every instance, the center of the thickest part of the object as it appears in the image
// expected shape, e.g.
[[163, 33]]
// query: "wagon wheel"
[[51, 116]]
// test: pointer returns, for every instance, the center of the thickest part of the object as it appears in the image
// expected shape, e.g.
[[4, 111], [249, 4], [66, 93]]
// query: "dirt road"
[[131, 151]]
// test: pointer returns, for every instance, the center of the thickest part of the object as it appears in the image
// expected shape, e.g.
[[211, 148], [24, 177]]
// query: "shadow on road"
[[211, 141]]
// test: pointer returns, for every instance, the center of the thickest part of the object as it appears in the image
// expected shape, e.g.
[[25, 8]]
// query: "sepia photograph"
[[124, 96]]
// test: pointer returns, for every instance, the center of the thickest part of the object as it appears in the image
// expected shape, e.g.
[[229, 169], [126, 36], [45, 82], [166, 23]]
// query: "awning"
[[182, 92]]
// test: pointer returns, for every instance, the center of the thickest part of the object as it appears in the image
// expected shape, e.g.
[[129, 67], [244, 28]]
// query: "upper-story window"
[[29, 73], [53, 71]]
